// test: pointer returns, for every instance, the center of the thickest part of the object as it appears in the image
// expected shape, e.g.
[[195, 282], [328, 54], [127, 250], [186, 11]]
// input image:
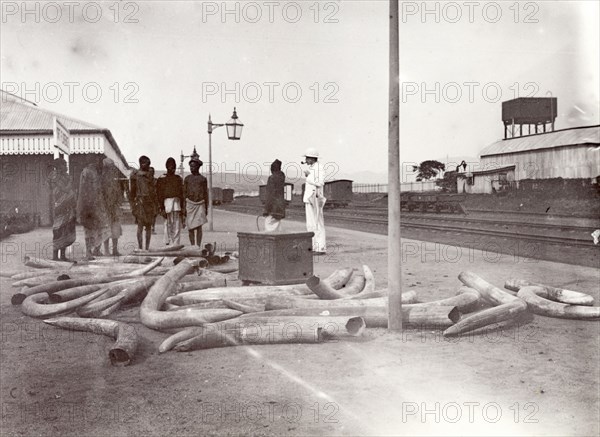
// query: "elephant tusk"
[[538, 302], [122, 352]]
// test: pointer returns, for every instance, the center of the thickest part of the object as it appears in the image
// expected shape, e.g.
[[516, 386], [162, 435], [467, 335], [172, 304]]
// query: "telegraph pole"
[[394, 243]]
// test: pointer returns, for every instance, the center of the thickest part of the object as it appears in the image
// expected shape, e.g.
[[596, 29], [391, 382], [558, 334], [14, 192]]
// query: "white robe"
[[314, 202]]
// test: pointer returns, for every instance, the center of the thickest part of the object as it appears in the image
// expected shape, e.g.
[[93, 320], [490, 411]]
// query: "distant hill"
[[249, 183]]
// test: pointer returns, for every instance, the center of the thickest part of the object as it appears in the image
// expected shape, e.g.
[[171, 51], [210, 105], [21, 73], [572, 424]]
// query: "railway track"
[[375, 220]]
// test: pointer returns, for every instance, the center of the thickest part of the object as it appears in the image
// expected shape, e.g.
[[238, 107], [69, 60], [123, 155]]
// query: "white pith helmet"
[[311, 152]]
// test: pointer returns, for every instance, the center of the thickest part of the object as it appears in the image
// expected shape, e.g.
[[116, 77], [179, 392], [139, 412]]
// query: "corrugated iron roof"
[[20, 115], [548, 140]]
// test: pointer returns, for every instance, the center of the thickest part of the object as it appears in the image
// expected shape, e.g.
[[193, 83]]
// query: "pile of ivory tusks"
[[94, 291], [209, 314]]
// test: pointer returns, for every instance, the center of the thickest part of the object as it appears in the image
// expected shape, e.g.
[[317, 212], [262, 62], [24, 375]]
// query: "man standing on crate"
[[314, 200], [195, 193], [275, 199], [169, 189]]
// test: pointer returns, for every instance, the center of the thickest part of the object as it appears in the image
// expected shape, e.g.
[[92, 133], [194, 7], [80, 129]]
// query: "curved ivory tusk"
[[179, 337], [212, 339], [143, 270], [354, 286], [556, 294], [153, 318], [56, 286], [202, 305], [289, 302], [28, 275], [323, 289], [122, 352], [246, 309], [50, 288], [108, 311], [34, 306], [273, 331], [173, 248], [5, 273], [117, 287], [464, 302], [183, 253], [201, 285], [536, 298], [73, 293], [375, 317], [339, 278], [490, 293], [369, 280], [46, 263], [486, 317], [136, 259], [236, 293], [94, 309], [408, 297]]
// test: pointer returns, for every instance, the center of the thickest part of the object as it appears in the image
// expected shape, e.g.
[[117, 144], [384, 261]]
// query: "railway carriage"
[[217, 196], [228, 195], [432, 202], [338, 193]]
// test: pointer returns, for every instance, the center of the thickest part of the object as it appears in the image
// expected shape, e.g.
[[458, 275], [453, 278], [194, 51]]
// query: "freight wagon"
[[217, 195], [228, 195], [338, 193], [432, 201]]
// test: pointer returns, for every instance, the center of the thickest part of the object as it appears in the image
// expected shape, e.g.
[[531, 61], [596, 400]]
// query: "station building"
[[27, 148], [572, 153]]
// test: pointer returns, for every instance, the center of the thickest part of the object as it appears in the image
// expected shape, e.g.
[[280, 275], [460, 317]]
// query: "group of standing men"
[[97, 206], [181, 203], [172, 197]]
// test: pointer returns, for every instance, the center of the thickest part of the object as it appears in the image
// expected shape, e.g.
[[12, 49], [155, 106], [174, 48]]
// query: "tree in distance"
[[428, 169]]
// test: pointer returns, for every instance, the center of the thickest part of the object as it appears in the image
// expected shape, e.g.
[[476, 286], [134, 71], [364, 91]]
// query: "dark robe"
[[65, 210], [143, 200], [113, 197], [275, 199], [91, 209]]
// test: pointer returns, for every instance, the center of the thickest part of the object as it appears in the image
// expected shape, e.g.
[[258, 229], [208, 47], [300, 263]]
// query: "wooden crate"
[[275, 258]]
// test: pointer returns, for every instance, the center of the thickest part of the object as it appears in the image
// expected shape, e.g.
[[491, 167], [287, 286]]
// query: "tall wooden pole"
[[394, 244], [210, 190]]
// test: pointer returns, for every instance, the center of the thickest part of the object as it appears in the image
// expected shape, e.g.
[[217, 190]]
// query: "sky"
[[301, 74]]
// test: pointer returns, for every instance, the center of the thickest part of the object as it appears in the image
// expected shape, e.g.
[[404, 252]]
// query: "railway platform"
[[535, 376]]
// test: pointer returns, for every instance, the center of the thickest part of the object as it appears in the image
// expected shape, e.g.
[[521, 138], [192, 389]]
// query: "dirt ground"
[[535, 376]]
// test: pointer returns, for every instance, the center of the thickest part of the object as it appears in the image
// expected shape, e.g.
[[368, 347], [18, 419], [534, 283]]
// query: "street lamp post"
[[234, 132], [181, 167]]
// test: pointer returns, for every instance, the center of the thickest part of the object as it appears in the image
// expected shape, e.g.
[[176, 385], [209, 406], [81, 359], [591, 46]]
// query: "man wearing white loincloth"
[[195, 192], [169, 189]]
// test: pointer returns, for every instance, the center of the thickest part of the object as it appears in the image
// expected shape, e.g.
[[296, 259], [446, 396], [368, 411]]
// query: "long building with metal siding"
[[568, 153], [27, 150]]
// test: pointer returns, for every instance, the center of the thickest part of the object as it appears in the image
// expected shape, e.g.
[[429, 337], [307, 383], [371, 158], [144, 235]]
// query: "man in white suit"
[[314, 201]]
